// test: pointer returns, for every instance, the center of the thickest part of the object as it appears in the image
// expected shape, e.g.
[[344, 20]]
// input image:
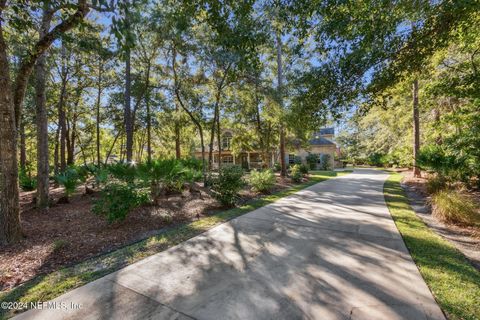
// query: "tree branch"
[[40, 47]]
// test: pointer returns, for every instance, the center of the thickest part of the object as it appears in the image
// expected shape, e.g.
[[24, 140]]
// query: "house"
[[254, 159], [321, 142]]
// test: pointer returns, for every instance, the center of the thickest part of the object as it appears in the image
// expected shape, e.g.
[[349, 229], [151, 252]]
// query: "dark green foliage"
[[304, 169], [296, 173], [192, 163], [262, 181], [117, 199], [69, 179], [277, 167], [227, 184], [325, 162], [26, 181], [375, 159], [169, 175], [434, 158], [101, 176], [312, 160], [123, 171]]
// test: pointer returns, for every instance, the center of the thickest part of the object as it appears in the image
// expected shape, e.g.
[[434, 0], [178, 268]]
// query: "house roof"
[[320, 141], [325, 131]]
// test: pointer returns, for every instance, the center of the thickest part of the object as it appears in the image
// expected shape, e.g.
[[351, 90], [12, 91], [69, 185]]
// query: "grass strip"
[[454, 282], [50, 286]]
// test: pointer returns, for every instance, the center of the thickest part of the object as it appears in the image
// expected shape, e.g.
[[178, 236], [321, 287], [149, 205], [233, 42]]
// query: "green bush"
[[118, 199], [312, 160], [262, 181], [227, 184], [435, 184], [303, 169], [69, 180], [450, 164], [163, 175], [101, 176], [375, 159], [325, 162], [454, 207], [123, 171], [277, 167], [192, 163], [26, 181], [296, 173]]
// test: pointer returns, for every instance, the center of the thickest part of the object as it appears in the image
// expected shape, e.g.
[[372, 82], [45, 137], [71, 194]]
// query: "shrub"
[[295, 173], [123, 171], [454, 207], [262, 181], [277, 167], [227, 184], [325, 162], [192, 163], [375, 159], [101, 176], [163, 176], [69, 179], [435, 184], [117, 199], [312, 160], [26, 181], [303, 169]]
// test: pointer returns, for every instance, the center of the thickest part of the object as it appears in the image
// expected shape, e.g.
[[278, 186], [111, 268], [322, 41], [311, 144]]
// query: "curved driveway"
[[330, 251]]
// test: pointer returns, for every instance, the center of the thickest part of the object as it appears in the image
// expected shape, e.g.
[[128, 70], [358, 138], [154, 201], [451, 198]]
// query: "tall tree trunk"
[[416, 130], [128, 83], [193, 118], [10, 230], [283, 171], [128, 111], [23, 147], [42, 123], [71, 139], [97, 110], [61, 112], [149, 114], [212, 137], [177, 111], [178, 154], [56, 164], [219, 140]]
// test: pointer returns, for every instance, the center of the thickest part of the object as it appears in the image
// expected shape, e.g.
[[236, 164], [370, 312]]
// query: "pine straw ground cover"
[[47, 286], [454, 282]]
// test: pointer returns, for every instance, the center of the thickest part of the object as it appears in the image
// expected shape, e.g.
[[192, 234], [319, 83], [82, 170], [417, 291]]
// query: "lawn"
[[454, 282], [49, 286]]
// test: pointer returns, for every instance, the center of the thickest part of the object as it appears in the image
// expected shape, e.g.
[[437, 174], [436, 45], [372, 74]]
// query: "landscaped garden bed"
[[454, 282]]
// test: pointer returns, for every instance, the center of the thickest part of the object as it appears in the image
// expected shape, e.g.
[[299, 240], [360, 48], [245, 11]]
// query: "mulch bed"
[[70, 233]]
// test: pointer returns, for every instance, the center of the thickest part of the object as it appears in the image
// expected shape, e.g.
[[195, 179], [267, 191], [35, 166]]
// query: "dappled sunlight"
[[300, 257]]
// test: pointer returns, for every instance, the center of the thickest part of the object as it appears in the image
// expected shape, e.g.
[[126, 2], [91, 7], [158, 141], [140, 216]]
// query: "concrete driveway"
[[330, 251]]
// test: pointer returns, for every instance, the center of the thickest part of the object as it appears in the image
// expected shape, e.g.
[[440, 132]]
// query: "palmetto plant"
[[69, 179]]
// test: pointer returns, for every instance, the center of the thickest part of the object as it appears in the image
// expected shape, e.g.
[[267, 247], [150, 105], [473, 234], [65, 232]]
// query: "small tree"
[[227, 184], [312, 160], [325, 162]]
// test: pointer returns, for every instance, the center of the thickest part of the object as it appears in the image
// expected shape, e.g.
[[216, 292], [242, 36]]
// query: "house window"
[[226, 140], [291, 158], [227, 159]]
